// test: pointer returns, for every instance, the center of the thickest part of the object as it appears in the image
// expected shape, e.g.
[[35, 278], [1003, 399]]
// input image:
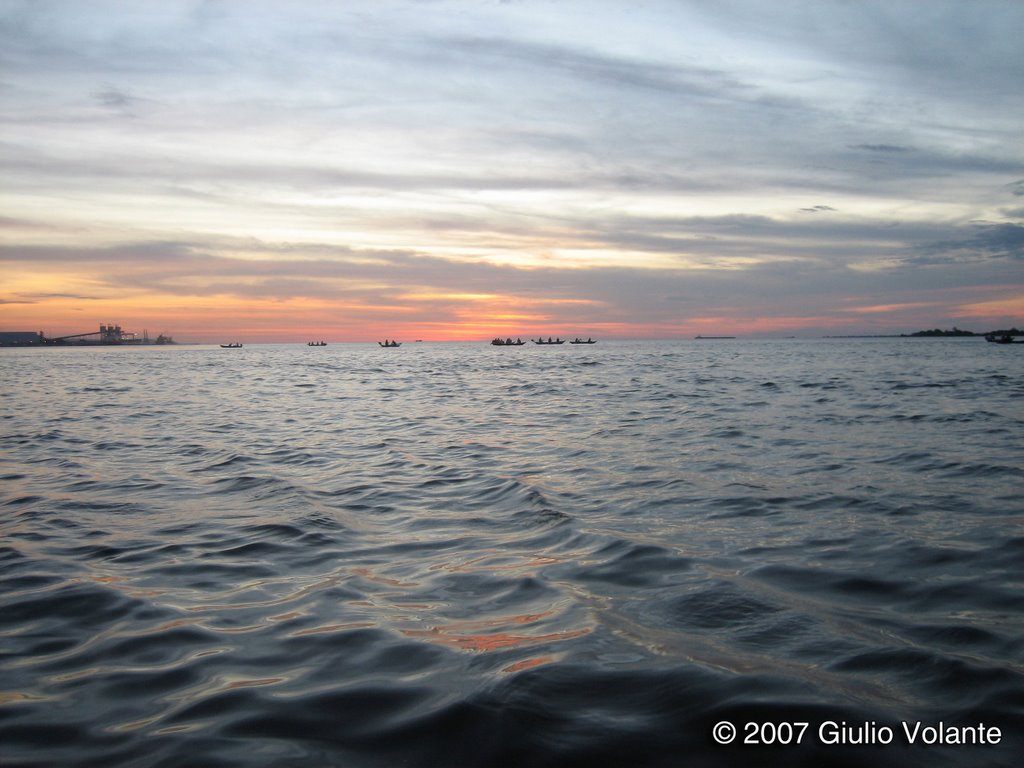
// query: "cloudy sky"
[[456, 169]]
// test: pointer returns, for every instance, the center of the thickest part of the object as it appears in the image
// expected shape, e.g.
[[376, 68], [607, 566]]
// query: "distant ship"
[[232, 345], [714, 337]]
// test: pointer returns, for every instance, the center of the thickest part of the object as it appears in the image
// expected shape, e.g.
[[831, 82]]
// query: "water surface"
[[464, 555]]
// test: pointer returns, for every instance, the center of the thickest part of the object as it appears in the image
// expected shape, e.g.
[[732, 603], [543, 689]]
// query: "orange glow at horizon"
[[202, 321], [81, 305], [1013, 306], [889, 308]]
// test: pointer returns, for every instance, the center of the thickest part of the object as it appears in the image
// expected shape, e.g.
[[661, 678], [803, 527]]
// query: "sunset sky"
[[284, 171]]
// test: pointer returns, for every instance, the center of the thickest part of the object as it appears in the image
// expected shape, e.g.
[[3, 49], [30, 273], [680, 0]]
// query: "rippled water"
[[462, 555]]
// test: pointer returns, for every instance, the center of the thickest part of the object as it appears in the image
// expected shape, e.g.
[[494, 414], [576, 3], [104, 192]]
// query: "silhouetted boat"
[[1001, 337], [316, 344], [580, 341], [714, 337], [549, 341], [387, 343], [507, 342], [232, 345]]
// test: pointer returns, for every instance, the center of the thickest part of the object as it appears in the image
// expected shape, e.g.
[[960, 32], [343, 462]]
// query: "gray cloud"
[[981, 241], [8, 222], [888, 148], [1000, 240], [109, 96], [34, 298], [135, 253], [613, 71]]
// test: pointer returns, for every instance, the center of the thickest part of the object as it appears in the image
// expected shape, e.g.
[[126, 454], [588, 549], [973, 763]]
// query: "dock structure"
[[106, 335], [21, 338]]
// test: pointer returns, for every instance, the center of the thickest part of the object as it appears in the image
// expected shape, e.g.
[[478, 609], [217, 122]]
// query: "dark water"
[[460, 555]]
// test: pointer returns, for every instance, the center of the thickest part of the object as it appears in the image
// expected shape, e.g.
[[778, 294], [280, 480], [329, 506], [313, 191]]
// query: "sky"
[[460, 169]]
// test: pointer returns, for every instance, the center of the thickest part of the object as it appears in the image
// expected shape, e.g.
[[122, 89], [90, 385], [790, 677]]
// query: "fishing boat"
[[578, 340], [706, 338], [1001, 337], [232, 345], [549, 341], [387, 343], [316, 344], [507, 342]]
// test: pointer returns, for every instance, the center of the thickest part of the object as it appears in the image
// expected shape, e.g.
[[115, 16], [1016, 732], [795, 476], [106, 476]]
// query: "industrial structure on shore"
[[106, 335]]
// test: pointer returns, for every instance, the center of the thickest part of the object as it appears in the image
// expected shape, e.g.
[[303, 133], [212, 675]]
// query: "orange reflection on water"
[[498, 641], [519, 666], [368, 574], [132, 726], [254, 682], [144, 592], [477, 563], [12, 697], [471, 635], [334, 628], [106, 579], [174, 624]]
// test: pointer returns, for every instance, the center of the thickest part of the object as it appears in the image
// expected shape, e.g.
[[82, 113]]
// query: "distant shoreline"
[[956, 333]]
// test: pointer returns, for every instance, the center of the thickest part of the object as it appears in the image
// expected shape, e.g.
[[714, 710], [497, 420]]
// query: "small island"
[[940, 333], [935, 333]]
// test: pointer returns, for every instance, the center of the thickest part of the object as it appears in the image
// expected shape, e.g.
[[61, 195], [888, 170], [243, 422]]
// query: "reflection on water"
[[466, 555]]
